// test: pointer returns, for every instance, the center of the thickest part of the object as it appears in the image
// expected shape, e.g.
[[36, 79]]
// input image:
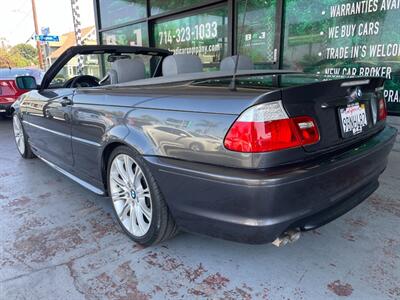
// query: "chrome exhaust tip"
[[288, 237]]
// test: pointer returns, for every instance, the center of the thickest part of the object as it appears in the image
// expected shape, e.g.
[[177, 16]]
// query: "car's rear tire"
[[21, 139], [137, 200]]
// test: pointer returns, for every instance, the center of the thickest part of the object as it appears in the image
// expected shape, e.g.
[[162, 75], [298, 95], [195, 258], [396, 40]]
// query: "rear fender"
[[112, 138]]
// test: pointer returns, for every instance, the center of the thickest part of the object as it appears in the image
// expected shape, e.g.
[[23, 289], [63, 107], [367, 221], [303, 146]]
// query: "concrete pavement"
[[59, 241]]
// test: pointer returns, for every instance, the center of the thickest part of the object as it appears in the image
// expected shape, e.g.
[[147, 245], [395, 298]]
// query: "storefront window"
[[345, 38], [256, 38], [133, 35], [114, 12], [204, 34], [160, 6]]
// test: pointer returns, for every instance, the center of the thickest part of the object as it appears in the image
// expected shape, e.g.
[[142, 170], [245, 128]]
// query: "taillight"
[[382, 110], [267, 127]]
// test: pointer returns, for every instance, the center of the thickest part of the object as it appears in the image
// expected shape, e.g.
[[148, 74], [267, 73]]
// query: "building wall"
[[331, 37]]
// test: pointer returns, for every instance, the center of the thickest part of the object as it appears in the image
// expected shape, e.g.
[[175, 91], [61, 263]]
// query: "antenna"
[[232, 85], [30, 38]]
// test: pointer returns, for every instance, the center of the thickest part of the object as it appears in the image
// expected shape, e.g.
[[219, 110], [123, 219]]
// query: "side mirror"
[[26, 82]]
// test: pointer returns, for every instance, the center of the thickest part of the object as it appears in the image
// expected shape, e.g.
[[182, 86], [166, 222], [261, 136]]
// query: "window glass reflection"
[[203, 34], [114, 12]]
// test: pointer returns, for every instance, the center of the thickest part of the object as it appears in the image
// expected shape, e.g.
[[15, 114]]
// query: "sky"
[[16, 21]]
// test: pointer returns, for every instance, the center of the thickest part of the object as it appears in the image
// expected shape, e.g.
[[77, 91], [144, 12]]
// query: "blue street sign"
[[47, 38]]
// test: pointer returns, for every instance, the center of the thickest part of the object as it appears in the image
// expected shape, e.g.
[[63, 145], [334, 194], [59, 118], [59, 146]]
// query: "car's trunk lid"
[[330, 103]]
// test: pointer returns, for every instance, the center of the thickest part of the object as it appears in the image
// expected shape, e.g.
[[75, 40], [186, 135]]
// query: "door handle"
[[66, 101]]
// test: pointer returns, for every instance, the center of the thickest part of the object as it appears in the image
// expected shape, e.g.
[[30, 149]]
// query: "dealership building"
[[329, 37]]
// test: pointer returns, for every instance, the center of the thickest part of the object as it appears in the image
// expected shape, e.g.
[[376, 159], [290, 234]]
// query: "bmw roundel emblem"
[[358, 92], [133, 194], [355, 94]]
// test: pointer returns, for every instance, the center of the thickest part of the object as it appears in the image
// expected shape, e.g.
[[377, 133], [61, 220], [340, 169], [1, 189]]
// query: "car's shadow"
[[4, 119]]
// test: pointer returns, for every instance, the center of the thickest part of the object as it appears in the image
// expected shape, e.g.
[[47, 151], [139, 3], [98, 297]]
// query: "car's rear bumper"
[[256, 206], [6, 108]]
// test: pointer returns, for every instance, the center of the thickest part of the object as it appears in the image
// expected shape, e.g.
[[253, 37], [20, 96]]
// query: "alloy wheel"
[[19, 134], [130, 194]]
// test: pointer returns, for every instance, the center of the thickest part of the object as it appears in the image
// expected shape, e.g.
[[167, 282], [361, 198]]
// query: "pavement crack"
[[74, 277], [47, 268]]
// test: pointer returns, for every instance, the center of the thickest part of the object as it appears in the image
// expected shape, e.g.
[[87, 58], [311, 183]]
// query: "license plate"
[[353, 119]]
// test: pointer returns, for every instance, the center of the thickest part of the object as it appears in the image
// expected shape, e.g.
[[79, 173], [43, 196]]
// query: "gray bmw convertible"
[[248, 155]]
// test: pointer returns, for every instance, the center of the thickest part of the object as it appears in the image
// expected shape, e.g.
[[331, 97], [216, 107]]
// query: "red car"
[[9, 92]]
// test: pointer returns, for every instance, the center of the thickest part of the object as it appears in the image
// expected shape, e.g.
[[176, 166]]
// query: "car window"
[[78, 65], [181, 133], [165, 129], [173, 131], [92, 65], [150, 62]]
